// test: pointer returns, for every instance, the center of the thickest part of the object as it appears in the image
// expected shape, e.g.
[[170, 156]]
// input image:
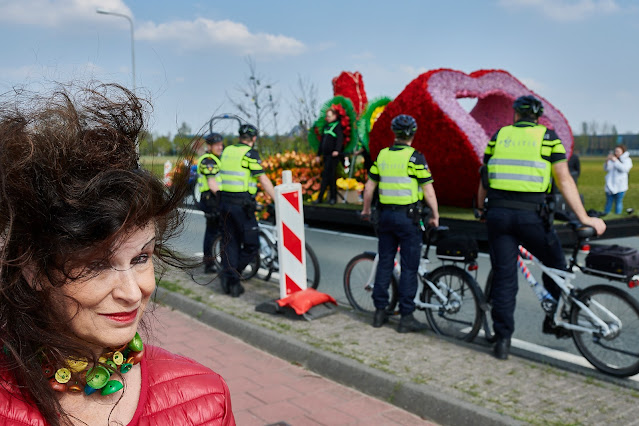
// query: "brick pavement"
[[267, 390], [449, 382]]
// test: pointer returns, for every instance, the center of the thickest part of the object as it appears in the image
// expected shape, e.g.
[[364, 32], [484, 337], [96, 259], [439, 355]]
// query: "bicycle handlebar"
[[583, 232]]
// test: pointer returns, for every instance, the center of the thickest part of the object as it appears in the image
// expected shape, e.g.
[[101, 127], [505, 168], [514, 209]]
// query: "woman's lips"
[[122, 317]]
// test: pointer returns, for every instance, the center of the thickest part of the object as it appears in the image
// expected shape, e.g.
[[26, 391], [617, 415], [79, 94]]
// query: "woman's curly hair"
[[71, 188]]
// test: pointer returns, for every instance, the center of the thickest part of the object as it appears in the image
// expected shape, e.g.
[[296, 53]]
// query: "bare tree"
[[254, 99], [305, 105]]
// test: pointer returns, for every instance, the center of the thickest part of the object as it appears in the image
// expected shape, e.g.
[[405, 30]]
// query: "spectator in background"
[[330, 149], [574, 165], [618, 165]]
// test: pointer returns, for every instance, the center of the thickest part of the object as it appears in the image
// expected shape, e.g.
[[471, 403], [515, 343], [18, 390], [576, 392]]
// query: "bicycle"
[[449, 296], [267, 260], [602, 320]]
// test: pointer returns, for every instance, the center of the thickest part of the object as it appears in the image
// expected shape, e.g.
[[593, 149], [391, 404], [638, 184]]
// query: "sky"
[[191, 56]]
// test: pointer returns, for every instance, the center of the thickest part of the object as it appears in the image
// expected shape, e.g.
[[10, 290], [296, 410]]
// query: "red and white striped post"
[[289, 213]]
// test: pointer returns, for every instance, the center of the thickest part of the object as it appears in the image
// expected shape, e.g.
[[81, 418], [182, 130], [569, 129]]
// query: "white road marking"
[[198, 212], [554, 354]]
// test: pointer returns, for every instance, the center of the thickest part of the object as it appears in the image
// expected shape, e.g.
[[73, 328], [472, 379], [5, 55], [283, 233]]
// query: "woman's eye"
[[141, 259]]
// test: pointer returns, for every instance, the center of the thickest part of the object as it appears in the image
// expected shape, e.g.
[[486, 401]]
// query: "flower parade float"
[[452, 139], [368, 119], [351, 86]]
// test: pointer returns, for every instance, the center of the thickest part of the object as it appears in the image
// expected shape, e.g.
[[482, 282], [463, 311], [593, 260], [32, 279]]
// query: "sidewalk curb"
[[421, 400]]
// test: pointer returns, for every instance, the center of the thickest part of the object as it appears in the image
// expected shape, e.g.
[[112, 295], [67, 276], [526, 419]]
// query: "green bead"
[[112, 387], [112, 365], [136, 343], [125, 368], [98, 377]]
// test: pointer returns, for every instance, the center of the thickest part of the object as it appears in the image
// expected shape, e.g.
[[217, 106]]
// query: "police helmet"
[[404, 126], [213, 138], [248, 130], [528, 105]]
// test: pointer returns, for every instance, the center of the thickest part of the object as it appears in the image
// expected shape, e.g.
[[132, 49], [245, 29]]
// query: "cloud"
[[205, 33], [197, 34], [566, 10], [412, 71], [56, 13]]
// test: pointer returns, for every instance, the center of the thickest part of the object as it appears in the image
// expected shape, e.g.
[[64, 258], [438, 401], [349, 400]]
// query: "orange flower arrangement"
[[304, 167], [306, 170]]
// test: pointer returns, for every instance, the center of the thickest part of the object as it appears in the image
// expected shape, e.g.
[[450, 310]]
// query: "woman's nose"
[[127, 288]]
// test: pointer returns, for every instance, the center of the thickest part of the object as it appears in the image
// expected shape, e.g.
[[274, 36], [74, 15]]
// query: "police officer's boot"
[[502, 348], [408, 323], [224, 284], [380, 318], [237, 290], [209, 265]]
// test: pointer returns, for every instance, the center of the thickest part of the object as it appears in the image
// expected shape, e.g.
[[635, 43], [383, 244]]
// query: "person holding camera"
[[404, 180], [617, 166]]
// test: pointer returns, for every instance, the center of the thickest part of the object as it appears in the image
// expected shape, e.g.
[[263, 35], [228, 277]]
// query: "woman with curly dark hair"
[[82, 231]]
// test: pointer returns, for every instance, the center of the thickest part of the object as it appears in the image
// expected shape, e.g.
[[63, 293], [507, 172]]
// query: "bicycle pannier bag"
[[613, 258], [457, 247]]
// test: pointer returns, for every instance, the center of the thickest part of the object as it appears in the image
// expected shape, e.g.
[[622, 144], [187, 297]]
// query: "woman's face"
[[618, 152], [110, 303], [330, 116]]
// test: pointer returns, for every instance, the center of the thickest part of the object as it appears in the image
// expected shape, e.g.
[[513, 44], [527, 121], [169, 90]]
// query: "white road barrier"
[[289, 213]]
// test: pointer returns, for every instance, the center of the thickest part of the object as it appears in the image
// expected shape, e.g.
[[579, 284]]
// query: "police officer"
[[208, 184], [241, 169], [519, 162], [404, 179]]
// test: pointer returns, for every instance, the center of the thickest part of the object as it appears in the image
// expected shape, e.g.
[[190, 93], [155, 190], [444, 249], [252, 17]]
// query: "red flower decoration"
[[351, 86], [453, 140]]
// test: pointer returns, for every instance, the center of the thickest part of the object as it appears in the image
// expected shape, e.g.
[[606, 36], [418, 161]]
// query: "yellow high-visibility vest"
[[395, 184], [517, 163], [235, 170]]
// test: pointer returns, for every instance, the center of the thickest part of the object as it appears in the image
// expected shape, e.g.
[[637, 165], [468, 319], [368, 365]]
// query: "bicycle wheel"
[[359, 278], [617, 354], [268, 257], [217, 252], [312, 268], [248, 272], [487, 319], [461, 318]]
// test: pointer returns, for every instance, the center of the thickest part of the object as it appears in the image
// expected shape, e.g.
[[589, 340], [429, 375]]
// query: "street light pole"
[[128, 18]]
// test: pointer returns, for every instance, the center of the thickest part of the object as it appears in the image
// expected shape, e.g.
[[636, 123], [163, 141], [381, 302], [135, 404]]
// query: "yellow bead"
[[77, 365], [118, 358], [63, 375]]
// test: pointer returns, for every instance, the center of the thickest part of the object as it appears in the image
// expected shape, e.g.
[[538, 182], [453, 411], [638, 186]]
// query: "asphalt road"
[[335, 249]]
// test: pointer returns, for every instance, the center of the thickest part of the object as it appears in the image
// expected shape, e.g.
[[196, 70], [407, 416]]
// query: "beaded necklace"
[[76, 376]]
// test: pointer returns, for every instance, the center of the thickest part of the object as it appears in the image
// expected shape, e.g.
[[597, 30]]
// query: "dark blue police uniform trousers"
[[396, 228], [507, 229], [212, 228], [240, 242]]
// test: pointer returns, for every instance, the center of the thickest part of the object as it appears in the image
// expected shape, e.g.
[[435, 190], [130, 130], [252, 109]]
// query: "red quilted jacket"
[[175, 391]]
